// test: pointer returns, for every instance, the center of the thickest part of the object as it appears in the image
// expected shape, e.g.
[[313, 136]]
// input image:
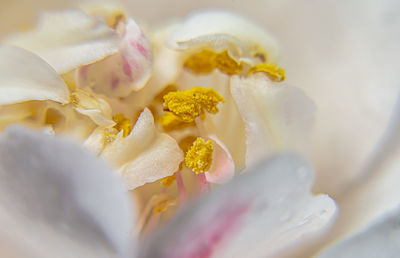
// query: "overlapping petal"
[[276, 116], [126, 71], [224, 30], [145, 155], [68, 39], [256, 215], [25, 76], [52, 207], [379, 239]]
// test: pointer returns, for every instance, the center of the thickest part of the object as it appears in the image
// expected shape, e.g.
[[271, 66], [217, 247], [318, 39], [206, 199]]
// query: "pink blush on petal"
[[205, 238], [142, 50], [114, 83], [126, 67]]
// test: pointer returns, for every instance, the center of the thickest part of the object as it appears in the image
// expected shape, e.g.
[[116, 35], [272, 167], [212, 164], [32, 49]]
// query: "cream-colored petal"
[[227, 124], [258, 214], [220, 30], [68, 39], [93, 106], [25, 76], [145, 155], [126, 71], [277, 117], [59, 201]]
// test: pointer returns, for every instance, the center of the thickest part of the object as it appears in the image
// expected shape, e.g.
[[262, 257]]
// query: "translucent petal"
[[257, 214], [277, 117], [68, 39], [379, 239], [223, 167], [221, 30], [59, 201], [25, 76], [127, 71], [145, 155]]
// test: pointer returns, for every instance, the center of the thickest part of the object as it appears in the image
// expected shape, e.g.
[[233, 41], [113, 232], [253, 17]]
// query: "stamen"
[[207, 60], [227, 64], [202, 62], [122, 123], [199, 156], [273, 71], [114, 18], [189, 104], [167, 181], [170, 122], [163, 205]]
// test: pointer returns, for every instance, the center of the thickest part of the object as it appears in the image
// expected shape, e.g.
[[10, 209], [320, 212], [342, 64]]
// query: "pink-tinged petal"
[[25, 76], [277, 117], [126, 71], [223, 167], [68, 39], [57, 200], [257, 214]]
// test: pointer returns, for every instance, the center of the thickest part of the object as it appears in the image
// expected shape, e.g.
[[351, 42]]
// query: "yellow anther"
[[189, 104], [122, 123], [207, 60], [110, 134], [273, 71], [163, 205], [199, 156], [167, 181], [53, 117], [115, 17], [228, 64], [82, 99], [170, 122], [202, 62]]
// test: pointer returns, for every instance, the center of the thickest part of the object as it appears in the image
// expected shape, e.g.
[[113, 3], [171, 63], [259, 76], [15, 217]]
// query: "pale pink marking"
[[205, 238], [126, 67], [204, 187], [181, 188], [83, 72], [142, 50], [114, 82]]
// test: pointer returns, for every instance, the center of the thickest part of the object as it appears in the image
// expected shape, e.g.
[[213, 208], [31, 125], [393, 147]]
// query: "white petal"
[[68, 39], [124, 72], [59, 201], [381, 239], [277, 117], [256, 215], [221, 30], [145, 155], [376, 190], [25, 76]]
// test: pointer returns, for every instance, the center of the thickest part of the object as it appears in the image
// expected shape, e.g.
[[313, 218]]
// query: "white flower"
[[109, 92]]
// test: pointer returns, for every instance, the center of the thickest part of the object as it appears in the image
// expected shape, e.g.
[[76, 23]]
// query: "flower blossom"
[[173, 141]]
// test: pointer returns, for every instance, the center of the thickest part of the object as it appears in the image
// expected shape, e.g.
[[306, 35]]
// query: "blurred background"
[[343, 54]]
